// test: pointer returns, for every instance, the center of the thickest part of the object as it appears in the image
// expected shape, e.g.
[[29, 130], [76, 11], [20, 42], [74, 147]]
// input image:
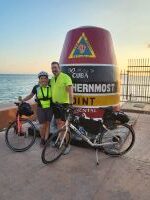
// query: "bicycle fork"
[[64, 135], [19, 125]]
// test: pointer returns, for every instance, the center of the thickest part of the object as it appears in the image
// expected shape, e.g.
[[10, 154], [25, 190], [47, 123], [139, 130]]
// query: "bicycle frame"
[[93, 144], [80, 134]]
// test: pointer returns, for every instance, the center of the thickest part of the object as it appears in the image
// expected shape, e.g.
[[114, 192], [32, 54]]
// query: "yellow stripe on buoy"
[[80, 100]]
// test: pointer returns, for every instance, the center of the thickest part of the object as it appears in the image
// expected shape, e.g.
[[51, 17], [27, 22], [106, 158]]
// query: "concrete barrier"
[[8, 114]]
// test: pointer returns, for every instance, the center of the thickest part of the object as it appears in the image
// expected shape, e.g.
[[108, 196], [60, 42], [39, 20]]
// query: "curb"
[[136, 111]]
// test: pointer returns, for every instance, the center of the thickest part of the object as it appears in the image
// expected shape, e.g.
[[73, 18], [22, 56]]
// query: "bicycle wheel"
[[52, 150], [124, 138], [20, 141]]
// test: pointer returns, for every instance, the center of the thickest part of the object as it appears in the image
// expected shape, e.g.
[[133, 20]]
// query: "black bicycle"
[[17, 135], [111, 134]]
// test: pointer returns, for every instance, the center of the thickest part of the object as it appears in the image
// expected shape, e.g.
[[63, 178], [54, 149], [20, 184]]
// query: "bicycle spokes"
[[122, 139], [18, 137]]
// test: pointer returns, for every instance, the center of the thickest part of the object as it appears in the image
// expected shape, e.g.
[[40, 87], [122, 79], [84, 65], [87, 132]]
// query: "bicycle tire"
[[32, 137], [51, 145], [118, 130]]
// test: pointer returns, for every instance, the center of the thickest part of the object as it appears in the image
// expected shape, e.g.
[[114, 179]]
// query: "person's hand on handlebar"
[[19, 102]]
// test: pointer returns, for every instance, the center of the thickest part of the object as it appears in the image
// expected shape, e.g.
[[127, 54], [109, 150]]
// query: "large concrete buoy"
[[88, 57]]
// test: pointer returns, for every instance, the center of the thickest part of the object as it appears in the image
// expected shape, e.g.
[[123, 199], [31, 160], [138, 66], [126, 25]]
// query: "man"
[[62, 93]]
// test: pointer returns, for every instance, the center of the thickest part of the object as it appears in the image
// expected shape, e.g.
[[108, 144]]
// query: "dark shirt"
[[34, 90]]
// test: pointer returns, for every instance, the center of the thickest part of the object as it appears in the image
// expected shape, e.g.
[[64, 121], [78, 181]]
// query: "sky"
[[32, 32]]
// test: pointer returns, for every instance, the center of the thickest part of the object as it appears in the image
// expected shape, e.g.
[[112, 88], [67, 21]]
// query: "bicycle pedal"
[[21, 134]]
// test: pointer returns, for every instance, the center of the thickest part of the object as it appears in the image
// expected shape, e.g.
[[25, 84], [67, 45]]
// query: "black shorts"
[[44, 114], [59, 113]]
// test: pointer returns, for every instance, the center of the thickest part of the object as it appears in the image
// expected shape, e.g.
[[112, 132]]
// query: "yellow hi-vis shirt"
[[58, 88]]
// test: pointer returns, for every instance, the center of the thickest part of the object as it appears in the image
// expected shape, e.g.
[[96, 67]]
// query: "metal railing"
[[135, 81]]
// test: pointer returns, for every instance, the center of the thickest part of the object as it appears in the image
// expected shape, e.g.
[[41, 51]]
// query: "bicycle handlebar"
[[18, 103]]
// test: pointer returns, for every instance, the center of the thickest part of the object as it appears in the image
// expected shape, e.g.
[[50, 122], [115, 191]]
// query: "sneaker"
[[67, 150], [42, 143]]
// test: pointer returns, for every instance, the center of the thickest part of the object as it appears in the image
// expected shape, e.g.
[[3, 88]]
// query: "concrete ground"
[[75, 176]]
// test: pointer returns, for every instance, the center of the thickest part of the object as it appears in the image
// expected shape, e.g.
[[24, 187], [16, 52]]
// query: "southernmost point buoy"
[[88, 58]]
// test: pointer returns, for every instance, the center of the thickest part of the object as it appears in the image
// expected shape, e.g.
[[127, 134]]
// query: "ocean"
[[14, 85]]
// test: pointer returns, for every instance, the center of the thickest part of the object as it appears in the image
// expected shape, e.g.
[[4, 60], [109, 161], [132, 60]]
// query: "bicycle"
[[17, 136], [112, 135]]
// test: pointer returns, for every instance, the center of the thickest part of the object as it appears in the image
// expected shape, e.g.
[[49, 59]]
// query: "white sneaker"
[[67, 150]]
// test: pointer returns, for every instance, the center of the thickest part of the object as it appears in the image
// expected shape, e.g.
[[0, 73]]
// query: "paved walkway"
[[76, 177]]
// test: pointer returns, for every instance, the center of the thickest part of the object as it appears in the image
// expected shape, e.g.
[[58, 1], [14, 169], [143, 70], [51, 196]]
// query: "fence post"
[[127, 90], [127, 85]]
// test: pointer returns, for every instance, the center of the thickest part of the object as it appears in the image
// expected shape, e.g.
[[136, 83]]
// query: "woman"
[[43, 99]]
